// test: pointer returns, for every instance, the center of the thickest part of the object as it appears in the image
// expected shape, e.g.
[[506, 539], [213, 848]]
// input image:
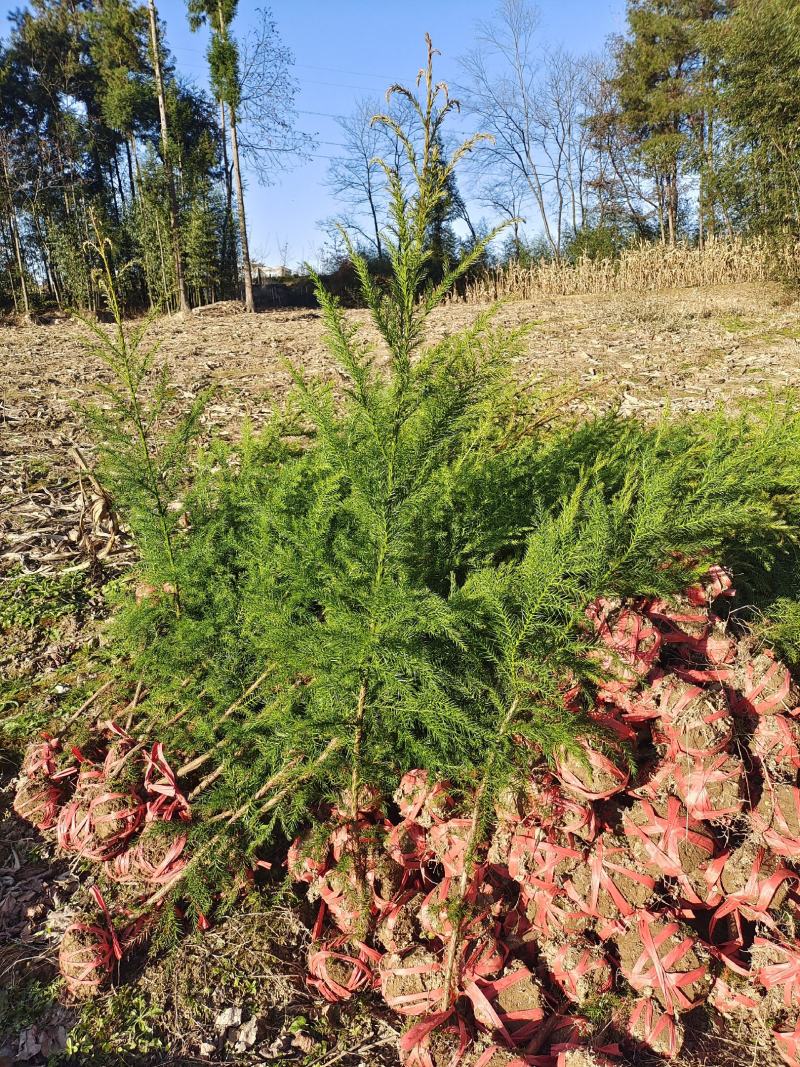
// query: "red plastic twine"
[[661, 837], [753, 696], [515, 1027], [776, 831], [755, 898], [602, 867], [169, 802], [657, 1028], [83, 971], [359, 969], [652, 971], [784, 974]]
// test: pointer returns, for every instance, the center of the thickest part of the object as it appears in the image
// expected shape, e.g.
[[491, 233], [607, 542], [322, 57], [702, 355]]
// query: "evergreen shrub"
[[395, 574]]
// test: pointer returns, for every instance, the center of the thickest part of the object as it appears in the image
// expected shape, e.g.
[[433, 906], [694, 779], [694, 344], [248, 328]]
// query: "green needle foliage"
[[143, 463], [396, 574]]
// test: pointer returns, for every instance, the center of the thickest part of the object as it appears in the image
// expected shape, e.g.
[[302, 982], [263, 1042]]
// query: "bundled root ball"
[[776, 818], [762, 684], [671, 845], [611, 883], [592, 775], [662, 958], [580, 970], [37, 801], [411, 982], [86, 958], [776, 744], [692, 720], [659, 1030], [753, 881]]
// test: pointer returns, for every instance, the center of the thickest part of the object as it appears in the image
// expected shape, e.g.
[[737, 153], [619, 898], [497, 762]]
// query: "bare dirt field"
[[686, 350], [638, 353]]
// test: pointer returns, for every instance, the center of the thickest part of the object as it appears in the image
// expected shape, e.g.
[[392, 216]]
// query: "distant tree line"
[[687, 127], [101, 135]]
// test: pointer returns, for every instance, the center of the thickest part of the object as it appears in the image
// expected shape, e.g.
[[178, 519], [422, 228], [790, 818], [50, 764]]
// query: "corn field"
[[641, 268]]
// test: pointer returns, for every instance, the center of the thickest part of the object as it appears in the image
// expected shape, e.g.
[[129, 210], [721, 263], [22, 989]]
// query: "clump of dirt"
[[593, 775], [738, 871], [410, 976], [399, 929], [636, 892], [579, 969], [779, 810], [776, 743], [693, 721], [664, 1041], [635, 961], [683, 852]]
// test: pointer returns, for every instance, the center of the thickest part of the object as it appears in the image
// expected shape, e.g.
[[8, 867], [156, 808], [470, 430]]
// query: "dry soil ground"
[[688, 349]]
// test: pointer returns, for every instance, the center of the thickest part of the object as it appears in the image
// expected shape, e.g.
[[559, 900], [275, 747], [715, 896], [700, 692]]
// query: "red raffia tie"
[[777, 737], [415, 1042], [303, 867], [693, 782], [754, 900], [133, 865], [449, 841], [602, 867], [753, 696], [37, 801], [515, 1027], [567, 973], [169, 802], [652, 971], [419, 1002], [360, 973], [776, 831], [84, 971], [784, 974], [633, 645], [656, 1027], [40, 756], [788, 1045], [662, 836], [671, 623], [718, 582], [599, 761], [673, 704]]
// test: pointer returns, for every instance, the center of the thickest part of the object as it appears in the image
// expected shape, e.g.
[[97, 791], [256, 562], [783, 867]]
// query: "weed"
[[41, 599], [117, 1029], [23, 1004]]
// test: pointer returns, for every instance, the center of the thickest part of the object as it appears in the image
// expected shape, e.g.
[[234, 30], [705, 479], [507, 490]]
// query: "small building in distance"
[[263, 273]]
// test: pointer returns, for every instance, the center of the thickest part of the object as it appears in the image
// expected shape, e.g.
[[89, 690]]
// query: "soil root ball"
[[776, 818], [692, 721], [753, 881], [513, 1005], [661, 957], [670, 845], [336, 973], [580, 970], [655, 1028], [761, 684], [592, 776], [776, 966], [610, 884], [776, 744], [411, 983], [37, 801], [86, 958]]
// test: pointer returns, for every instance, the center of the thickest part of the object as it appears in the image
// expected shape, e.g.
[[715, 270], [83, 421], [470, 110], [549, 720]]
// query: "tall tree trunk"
[[173, 201], [237, 174], [12, 222], [226, 240]]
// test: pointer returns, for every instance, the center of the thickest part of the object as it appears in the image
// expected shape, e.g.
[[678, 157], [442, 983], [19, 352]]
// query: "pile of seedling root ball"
[[599, 889]]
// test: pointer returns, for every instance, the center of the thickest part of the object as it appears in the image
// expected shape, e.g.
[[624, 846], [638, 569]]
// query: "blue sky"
[[347, 49]]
